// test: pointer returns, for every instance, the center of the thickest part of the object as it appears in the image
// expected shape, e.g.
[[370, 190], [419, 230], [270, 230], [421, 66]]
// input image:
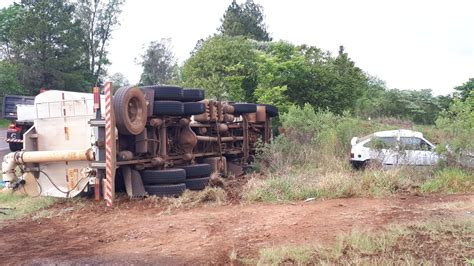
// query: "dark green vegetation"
[[55, 44]]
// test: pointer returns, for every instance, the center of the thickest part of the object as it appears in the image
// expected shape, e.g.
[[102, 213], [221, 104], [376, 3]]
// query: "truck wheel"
[[193, 95], [130, 110], [168, 108], [197, 170], [271, 110], [194, 108], [166, 190], [168, 93], [168, 176], [15, 146], [196, 183], [244, 108]]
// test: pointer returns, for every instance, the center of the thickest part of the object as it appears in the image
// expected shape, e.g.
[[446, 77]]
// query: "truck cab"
[[21, 119]]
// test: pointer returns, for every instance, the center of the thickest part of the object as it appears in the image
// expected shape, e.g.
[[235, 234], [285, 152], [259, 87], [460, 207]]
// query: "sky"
[[408, 44]]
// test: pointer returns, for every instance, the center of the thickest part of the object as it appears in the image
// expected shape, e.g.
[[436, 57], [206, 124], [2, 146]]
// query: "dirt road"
[[137, 232]]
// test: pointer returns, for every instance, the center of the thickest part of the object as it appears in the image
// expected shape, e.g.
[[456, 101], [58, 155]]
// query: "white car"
[[392, 148]]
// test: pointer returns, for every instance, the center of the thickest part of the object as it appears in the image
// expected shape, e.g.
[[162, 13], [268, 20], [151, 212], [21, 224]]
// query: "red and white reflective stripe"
[[14, 140], [108, 144]]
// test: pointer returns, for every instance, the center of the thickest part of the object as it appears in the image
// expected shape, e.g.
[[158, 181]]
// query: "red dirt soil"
[[134, 233]]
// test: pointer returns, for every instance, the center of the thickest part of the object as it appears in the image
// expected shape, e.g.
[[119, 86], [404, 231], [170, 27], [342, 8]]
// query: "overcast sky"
[[409, 44]]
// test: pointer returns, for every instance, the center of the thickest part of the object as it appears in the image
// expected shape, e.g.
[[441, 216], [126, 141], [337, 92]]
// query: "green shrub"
[[450, 180]]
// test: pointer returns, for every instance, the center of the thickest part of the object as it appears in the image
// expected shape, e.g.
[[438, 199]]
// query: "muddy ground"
[[140, 232]]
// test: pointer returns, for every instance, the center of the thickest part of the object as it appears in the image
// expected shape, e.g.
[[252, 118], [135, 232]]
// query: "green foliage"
[[159, 64], [225, 67], [47, 46], [245, 20], [22, 205], [55, 44], [118, 80], [98, 19], [9, 83], [458, 123], [466, 89], [450, 180], [4, 123]]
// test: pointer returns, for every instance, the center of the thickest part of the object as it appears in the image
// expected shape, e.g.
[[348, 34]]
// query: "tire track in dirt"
[[132, 233]]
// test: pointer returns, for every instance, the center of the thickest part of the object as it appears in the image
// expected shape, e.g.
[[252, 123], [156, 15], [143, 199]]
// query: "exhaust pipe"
[[13, 159]]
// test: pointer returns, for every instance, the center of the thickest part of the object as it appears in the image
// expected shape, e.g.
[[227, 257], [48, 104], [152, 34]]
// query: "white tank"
[[61, 123]]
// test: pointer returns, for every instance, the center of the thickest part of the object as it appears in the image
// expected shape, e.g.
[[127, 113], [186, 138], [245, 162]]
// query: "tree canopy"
[[159, 63], [245, 20]]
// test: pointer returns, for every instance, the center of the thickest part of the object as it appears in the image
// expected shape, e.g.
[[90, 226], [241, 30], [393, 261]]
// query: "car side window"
[[412, 143], [382, 143]]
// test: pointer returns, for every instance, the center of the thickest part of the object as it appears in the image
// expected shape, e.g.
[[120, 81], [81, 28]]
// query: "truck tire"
[[130, 110], [168, 108], [168, 93], [166, 190], [271, 110], [197, 170], [167, 176], [193, 95], [197, 183], [194, 108], [244, 108]]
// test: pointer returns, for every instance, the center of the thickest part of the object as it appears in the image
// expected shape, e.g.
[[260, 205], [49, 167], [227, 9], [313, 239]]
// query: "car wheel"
[[130, 110]]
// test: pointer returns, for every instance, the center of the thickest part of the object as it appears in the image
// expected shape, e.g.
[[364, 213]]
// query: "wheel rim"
[[134, 111]]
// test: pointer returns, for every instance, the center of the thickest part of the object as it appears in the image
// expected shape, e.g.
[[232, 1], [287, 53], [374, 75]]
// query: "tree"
[[118, 80], [466, 88], [47, 46], [245, 20], [9, 83], [225, 67], [159, 64], [9, 19], [98, 19]]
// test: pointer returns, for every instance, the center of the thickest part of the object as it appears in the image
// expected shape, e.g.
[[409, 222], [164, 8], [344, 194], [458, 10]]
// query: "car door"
[[384, 150], [416, 151]]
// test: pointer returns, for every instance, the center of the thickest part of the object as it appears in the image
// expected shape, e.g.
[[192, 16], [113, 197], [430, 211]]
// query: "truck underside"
[[168, 139]]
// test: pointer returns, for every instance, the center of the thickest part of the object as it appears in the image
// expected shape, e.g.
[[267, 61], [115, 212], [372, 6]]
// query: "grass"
[[433, 242], [450, 180], [18, 206], [208, 196], [4, 123], [316, 183]]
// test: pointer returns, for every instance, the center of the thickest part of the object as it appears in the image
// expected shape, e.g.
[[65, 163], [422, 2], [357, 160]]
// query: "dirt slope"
[[134, 233]]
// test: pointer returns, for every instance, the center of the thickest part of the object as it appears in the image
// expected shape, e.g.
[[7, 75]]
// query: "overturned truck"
[[167, 140]]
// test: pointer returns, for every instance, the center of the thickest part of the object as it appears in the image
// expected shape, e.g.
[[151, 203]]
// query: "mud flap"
[[133, 182]]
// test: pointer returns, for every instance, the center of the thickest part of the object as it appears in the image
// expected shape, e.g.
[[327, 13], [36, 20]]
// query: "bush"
[[450, 180]]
